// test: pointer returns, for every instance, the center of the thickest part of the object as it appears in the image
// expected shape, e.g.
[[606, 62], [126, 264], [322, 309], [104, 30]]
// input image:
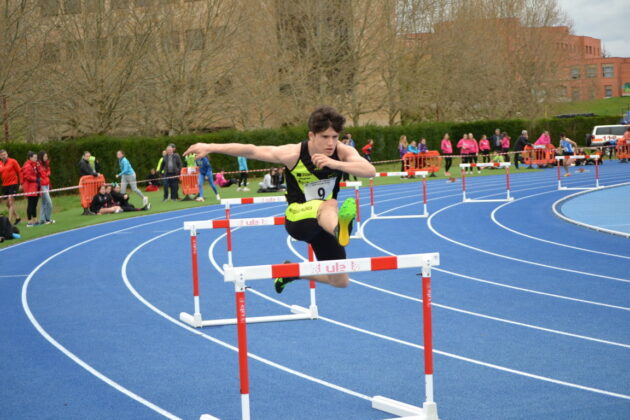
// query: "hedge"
[[144, 152]]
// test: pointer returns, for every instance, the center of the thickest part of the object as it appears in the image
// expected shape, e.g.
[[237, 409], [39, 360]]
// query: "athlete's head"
[[324, 126]]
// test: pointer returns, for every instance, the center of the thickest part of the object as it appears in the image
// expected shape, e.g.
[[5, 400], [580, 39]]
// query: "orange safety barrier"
[[429, 161], [88, 188], [188, 179], [539, 154], [623, 151]]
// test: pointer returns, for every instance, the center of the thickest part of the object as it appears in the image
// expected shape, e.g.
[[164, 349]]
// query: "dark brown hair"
[[324, 118]]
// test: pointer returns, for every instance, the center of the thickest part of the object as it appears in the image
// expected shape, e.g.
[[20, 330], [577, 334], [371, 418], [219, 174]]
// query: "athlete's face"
[[324, 142]]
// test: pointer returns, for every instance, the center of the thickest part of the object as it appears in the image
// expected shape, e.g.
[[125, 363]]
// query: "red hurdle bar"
[[240, 275], [561, 158]]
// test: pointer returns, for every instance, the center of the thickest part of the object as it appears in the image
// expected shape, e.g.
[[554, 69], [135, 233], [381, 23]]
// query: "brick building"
[[590, 75]]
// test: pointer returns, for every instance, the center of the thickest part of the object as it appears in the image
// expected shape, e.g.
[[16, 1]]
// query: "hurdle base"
[[407, 216], [577, 188], [208, 417], [495, 200], [405, 411], [299, 313]]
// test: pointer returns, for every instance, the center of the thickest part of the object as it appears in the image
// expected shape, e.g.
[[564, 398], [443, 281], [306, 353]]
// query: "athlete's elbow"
[[370, 172]]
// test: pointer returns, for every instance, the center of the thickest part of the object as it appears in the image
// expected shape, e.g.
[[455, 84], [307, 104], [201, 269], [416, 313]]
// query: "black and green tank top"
[[305, 182]]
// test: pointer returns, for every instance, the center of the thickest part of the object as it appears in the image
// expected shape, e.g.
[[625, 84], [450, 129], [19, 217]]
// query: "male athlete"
[[314, 169]]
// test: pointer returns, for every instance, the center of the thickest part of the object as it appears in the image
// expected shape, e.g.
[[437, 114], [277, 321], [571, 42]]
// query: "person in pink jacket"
[[544, 138], [467, 150], [484, 148], [447, 151], [474, 147], [505, 146]]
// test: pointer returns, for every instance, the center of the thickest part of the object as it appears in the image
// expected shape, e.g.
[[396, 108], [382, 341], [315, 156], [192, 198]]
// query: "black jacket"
[[520, 144], [99, 201], [175, 162], [86, 169]]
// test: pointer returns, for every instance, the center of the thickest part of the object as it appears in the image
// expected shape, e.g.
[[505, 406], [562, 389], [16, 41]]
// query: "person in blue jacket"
[[205, 172], [128, 177]]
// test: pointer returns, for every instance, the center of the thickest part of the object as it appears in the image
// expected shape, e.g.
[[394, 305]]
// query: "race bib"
[[319, 190]]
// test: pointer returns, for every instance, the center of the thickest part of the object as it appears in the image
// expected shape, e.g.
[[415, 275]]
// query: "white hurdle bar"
[[196, 320], [240, 275], [425, 212], [505, 165], [563, 158]]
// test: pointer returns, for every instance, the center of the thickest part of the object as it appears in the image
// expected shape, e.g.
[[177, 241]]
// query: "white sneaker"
[[200, 199], [145, 201], [245, 189]]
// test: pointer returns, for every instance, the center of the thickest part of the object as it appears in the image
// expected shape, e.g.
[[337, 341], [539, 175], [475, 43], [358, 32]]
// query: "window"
[[120, 4], [575, 72], [49, 7], [72, 7], [51, 52], [169, 41], [121, 46], [194, 40], [608, 70], [608, 91], [575, 94], [591, 71]]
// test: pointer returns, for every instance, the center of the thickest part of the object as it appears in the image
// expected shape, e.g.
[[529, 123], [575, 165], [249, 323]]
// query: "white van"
[[603, 134]]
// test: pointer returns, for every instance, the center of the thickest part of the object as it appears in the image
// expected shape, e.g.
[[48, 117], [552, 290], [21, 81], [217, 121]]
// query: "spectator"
[[102, 202], [171, 166], [544, 138], [88, 165], [519, 146], [497, 158], [402, 149], [505, 146], [11, 181], [351, 141], [128, 176], [242, 179], [422, 147], [484, 148], [447, 151], [45, 211], [624, 142], [468, 150], [495, 140], [566, 149], [367, 150], [412, 147], [31, 184], [122, 200], [7, 230], [277, 178], [205, 172], [154, 181], [222, 182], [267, 184], [475, 146]]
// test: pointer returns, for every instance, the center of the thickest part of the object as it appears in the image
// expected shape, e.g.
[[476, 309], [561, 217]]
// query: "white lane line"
[[67, 352], [507, 257], [9, 276], [471, 313], [502, 206], [493, 283]]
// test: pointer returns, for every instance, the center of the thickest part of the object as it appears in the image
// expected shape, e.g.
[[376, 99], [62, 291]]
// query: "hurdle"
[[425, 212], [195, 319], [240, 275], [505, 165], [562, 158]]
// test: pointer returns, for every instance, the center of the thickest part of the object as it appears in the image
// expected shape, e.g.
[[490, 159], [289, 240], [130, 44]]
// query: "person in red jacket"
[[31, 184], [45, 211], [11, 180], [367, 150]]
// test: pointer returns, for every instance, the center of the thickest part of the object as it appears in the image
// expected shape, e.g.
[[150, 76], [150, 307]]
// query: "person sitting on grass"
[[222, 182], [497, 158], [102, 202], [122, 200], [7, 230], [267, 184], [154, 181]]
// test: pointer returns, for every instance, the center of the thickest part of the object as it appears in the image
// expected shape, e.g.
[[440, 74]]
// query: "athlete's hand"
[[323, 161], [199, 149]]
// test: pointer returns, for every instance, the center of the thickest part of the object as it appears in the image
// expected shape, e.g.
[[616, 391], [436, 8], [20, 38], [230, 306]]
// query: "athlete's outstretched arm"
[[272, 154], [351, 162]]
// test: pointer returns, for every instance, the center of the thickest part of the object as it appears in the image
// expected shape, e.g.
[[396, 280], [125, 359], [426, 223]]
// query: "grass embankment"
[[611, 106], [67, 209]]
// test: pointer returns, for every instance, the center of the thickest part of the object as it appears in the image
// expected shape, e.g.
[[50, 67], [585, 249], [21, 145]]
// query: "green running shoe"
[[347, 213], [280, 282]]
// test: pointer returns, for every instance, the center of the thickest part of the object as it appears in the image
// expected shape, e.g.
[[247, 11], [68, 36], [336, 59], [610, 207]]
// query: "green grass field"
[[67, 209], [610, 106]]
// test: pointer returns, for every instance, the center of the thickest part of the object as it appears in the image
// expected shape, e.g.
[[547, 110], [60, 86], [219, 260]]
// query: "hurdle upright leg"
[[196, 318], [241, 321], [596, 173], [507, 182], [228, 234], [357, 199], [371, 197], [463, 173], [424, 196]]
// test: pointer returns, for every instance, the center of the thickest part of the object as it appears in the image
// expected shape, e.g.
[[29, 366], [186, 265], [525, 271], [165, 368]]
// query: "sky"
[[603, 19]]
